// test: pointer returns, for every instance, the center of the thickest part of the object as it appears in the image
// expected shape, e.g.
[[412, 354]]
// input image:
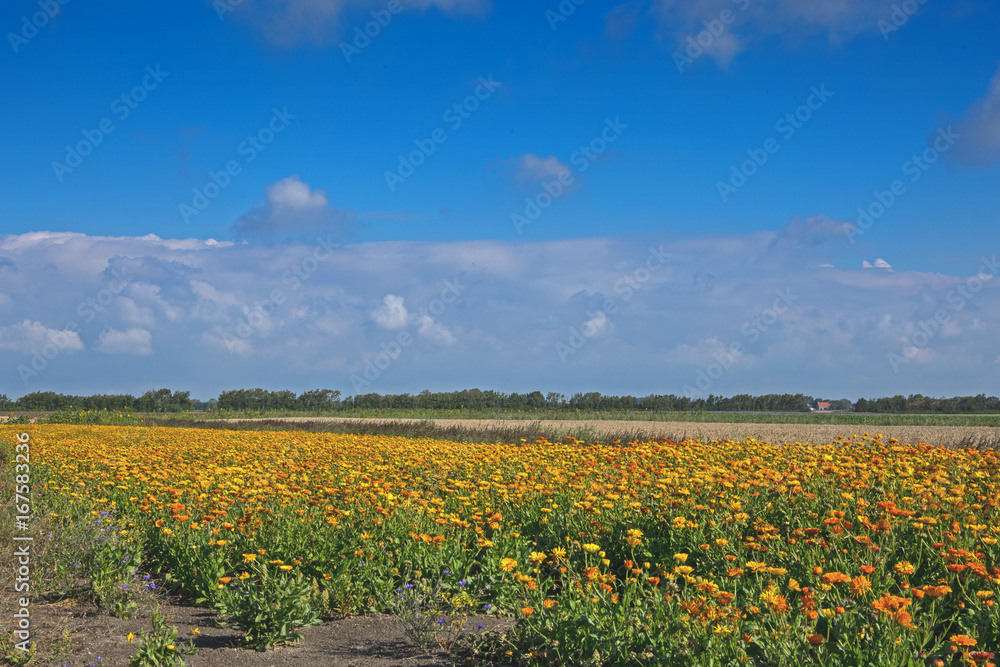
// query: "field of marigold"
[[867, 552]]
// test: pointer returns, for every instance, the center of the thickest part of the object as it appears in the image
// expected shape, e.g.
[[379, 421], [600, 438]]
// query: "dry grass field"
[[948, 436]]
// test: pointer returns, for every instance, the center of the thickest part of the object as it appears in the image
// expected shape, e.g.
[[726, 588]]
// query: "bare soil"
[[74, 633]]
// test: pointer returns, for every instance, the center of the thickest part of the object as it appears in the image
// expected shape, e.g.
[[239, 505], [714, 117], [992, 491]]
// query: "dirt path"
[[775, 433]]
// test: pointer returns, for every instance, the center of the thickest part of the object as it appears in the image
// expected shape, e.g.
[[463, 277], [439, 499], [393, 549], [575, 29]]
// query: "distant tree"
[[318, 399]]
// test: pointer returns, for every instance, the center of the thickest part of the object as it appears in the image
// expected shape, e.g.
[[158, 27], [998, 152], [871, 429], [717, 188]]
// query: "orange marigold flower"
[[962, 640], [935, 592], [890, 603], [815, 640], [835, 578], [904, 568], [527, 611], [860, 586]]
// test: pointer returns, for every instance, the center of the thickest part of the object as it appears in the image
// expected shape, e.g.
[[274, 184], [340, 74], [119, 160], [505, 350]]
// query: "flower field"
[[867, 552]]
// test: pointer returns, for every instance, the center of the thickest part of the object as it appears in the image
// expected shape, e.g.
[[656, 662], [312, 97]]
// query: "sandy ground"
[[774, 433]]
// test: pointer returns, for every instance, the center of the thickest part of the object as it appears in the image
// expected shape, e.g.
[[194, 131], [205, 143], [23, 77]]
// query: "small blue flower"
[[463, 582], [479, 626], [124, 587], [447, 571], [146, 577], [151, 586], [408, 586], [487, 607]]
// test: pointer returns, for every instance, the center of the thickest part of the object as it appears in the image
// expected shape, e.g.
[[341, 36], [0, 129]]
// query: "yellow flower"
[[249, 558], [286, 568], [129, 637], [591, 548], [507, 564]]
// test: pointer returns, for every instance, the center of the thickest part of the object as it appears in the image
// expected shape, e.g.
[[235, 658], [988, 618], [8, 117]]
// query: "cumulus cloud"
[[292, 206], [290, 22], [132, 341], [529, 168], [755, 20], [979, 130], [879, 264], [814, 231], [28, 337], [492, 314], [392, 314], [434, 331]]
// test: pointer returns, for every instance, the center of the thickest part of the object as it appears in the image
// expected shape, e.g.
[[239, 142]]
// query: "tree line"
[[328, 400]]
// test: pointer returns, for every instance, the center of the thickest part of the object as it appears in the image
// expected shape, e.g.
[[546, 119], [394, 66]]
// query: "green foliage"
[[160, 647], [269, 606]]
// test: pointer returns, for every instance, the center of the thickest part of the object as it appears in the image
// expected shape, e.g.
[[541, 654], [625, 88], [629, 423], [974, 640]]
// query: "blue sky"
[[258, 193]]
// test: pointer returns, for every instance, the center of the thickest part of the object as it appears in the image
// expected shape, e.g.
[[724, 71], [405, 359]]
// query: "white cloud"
[[434, 331], [531, 169], [491, 313], [392, 314], [209, 293], [132, 341], [292, 206], [979, 129], [30, 337], [755, 20], [879, 264], [289, 22]]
